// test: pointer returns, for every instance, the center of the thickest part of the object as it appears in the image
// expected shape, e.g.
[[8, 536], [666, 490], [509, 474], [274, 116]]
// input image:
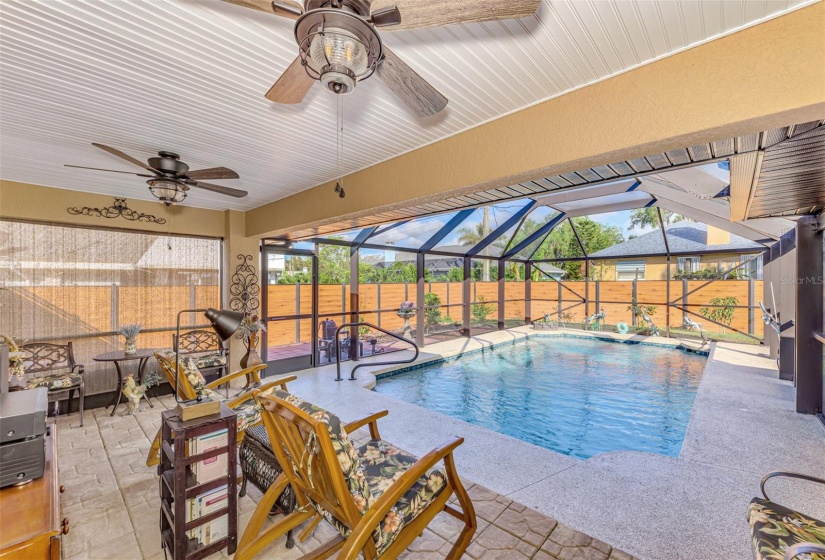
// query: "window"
[[753, 269], [74, 284], [687, 264], [630, 270]]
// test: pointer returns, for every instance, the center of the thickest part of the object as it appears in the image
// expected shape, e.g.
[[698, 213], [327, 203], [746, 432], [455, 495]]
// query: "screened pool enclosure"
[[591, 257]]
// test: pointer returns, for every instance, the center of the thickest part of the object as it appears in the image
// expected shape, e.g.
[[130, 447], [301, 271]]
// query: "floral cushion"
[[190, 369], [369, 471], [54, 382], [775, 528], [210, 360], [249, 411], [347, 454], [384, 464]]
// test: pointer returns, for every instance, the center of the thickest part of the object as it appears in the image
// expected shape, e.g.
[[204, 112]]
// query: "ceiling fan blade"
[[109, 170], [434, 13], [212, 173], [237, 193], [416, 93], [130, 159], [292, 86], [284, 8], [386, 17]]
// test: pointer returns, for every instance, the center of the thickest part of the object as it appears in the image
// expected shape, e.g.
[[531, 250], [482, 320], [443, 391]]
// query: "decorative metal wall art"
[[245, 288], [118, 210]]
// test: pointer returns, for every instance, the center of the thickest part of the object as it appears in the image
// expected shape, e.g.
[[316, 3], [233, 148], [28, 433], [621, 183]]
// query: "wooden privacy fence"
[[89, 316], [379, 303]]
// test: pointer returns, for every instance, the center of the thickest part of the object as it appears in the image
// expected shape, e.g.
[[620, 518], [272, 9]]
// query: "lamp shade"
[[224, 322]]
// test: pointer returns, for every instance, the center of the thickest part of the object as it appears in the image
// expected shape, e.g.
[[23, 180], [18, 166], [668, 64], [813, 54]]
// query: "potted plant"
[[130, 333], [250, 331], [406, 310], [15, 357]]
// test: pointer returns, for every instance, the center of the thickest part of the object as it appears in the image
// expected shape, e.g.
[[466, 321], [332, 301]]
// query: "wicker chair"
[[378, 498], [193, 384], [53, 366]]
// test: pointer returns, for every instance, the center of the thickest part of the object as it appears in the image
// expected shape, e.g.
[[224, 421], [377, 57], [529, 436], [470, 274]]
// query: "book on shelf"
[[204, 504], [214, 467]]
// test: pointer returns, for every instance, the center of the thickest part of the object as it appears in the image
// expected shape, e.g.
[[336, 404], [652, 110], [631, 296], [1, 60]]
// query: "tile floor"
[[112, 503]]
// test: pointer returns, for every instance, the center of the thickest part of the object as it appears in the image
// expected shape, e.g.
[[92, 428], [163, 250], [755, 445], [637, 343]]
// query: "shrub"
[[481, 309], [432, 313]]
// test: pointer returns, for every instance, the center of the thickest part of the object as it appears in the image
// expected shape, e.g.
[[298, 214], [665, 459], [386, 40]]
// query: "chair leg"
[[69, 401], [82, 395], [154, 452]]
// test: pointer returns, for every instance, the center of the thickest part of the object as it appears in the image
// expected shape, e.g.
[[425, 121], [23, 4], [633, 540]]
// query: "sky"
[[416, 232]]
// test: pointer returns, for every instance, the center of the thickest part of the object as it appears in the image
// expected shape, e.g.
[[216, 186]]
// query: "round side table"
[[119, 356]]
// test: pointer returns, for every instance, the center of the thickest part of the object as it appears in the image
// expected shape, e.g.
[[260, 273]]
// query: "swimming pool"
[[575, 396]]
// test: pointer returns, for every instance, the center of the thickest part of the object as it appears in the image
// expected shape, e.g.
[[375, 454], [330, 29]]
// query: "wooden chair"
[[53, 366], [378, 498], [210, 354], [192, 383]]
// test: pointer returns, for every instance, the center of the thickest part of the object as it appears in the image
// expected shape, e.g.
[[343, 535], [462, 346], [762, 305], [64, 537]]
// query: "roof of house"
[[682, 237]]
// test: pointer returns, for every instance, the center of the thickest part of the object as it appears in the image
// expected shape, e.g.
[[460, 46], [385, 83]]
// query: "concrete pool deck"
[[743, 425]]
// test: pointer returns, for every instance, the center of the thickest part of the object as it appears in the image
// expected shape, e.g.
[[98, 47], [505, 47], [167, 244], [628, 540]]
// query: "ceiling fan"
[[170, 178], [339, 44]]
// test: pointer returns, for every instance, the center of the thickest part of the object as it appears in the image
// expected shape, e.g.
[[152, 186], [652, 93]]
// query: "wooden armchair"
[[377, 497], [53, 366], [192, 383]]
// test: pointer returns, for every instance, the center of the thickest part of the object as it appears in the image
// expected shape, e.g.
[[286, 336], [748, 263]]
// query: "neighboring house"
[[689, 241], [440, 265]]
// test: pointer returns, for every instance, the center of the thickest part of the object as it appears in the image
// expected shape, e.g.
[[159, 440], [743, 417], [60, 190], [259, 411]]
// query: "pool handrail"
[[377, 328]]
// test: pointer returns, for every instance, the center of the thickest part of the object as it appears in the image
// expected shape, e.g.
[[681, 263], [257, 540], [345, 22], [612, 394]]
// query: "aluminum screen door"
[[290, 309]]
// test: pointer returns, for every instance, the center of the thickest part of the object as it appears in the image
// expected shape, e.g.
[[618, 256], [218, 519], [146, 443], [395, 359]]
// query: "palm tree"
[[470, 237]]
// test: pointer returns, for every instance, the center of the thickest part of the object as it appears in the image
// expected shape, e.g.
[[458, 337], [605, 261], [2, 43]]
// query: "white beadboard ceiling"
[[189, 76]]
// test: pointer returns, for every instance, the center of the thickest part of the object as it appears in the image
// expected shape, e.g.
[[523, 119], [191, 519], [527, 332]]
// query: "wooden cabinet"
[[30, 514]]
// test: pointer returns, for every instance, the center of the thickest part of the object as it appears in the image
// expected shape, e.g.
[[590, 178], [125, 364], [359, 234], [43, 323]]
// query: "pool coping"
[[525, 336]]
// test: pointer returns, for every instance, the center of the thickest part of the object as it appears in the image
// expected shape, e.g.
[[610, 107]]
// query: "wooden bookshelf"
[[178, 485]]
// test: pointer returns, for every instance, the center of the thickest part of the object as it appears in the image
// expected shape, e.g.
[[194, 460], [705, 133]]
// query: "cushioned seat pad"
[[383, 464], [54, 382], [774, 529], [210, 360]]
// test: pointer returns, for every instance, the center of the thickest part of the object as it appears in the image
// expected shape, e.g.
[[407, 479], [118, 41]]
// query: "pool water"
[[575, 396]]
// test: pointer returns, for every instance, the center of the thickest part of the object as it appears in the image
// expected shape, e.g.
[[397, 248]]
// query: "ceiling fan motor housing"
[[338, 46], [168, 163]]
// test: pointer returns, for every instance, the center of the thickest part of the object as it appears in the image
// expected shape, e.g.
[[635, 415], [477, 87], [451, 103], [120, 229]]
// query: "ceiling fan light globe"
[[167, 191], [336, 47]]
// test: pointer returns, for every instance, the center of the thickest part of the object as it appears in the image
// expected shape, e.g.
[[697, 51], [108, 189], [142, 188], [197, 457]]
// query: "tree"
[[333, 264], [649, 217], [470, 237], [455, 274]]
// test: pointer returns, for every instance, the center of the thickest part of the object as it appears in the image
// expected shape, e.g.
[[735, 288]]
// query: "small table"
[[142, 356]]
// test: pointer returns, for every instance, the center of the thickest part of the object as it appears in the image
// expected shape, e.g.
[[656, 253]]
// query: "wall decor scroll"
[[245, 288], [117, 210]]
